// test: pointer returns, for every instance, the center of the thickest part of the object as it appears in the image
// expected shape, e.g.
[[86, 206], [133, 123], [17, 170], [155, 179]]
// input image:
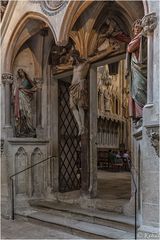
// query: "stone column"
[[39, 82], [149, 23], [7, 79], [93, 132]]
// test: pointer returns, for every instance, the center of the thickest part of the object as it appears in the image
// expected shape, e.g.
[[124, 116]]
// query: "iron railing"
[[131, 166], [12, 182]]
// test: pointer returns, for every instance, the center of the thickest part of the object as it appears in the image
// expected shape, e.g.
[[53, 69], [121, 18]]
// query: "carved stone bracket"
[[7, 78], [39, 82], [149, 23], [153, 134]]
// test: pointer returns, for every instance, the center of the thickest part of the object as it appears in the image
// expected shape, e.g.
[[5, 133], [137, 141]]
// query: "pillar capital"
[[149, 23], [7, 78], [39, 82]]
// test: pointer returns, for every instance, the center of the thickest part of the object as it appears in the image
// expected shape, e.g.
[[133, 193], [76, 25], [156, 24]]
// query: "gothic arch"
[[37, 172], [11, 49], [71, 15], [21, 159]]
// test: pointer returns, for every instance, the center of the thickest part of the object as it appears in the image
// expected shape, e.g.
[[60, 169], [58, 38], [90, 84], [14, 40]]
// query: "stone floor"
[[114, 185], [114, 190], [21, 229]]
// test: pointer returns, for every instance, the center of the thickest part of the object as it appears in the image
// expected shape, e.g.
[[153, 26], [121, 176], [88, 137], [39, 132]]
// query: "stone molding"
[[51, 8], [7, 78], [153, 134], [27, 141], [149, 23]]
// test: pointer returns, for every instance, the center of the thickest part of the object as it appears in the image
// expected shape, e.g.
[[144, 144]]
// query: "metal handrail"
[[130, 164], [12, 182]]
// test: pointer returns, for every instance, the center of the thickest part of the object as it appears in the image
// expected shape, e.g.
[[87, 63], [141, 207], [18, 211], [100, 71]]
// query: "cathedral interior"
[[76, 127]]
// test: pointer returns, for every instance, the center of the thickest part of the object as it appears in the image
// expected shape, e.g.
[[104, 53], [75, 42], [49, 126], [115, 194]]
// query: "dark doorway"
[[69, 143]]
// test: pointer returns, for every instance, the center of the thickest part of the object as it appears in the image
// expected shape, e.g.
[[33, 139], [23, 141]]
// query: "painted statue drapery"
[[23, 94], [137, 65]]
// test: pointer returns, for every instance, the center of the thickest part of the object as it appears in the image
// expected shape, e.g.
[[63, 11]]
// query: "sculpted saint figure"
[[137, 69], [24, 89]]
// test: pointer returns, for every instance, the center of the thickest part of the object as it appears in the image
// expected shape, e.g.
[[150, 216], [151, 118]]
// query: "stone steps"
[[109, 219], [76, 227], [86, 223]]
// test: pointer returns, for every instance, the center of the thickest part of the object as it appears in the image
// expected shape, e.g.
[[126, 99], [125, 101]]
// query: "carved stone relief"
[[108, 98], [51, 8], [111, 35], [153, 134], [60, 56]]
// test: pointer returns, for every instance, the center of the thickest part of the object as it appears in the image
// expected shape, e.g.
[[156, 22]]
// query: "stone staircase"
[[86, 223]]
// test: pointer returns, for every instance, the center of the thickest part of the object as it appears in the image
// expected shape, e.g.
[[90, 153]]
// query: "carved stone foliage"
[[37, 173], [153, 134], [7, 78], [38, 82], [20, 164], [51, 8], [149, 23]]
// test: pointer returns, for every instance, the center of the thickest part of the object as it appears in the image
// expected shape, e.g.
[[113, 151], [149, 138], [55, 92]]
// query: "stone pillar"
[[149, 23], [39, 82], [93, 132], [7, 79]]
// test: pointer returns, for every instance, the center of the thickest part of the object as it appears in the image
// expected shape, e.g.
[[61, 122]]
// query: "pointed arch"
[[11, 49], [21, 159], [75, 9], [37, 173]]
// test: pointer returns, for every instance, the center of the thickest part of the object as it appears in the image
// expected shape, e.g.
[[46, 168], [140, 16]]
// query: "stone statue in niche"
[[24, 88], [137, 70], [106, 79]]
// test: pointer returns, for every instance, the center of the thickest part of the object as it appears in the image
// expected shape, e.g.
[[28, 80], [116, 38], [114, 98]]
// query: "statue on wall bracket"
[[23, 91], [136, 70]]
